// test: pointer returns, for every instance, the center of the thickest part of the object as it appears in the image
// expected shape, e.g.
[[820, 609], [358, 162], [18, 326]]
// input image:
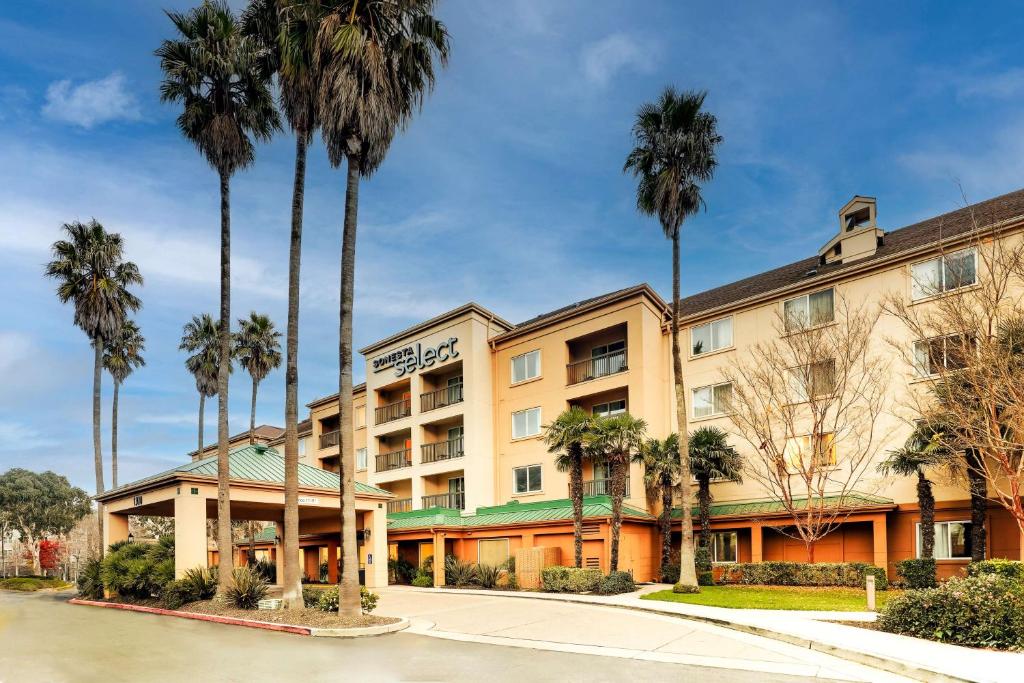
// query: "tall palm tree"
[[93, 276], [674, 152], [711, 457], [288, 29], [921, 451], [258, 350], [376, 62], [201, 338], [221, 77], [122, 355], [617, 439], [565, 437], [660, 458]]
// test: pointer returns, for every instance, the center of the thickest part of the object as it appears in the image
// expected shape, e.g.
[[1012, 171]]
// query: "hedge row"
[[850, 574], [572, 580]]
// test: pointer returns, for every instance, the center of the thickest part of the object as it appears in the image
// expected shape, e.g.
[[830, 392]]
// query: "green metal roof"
[[256, 463], [768, 506], [267, 535], [510, 513]]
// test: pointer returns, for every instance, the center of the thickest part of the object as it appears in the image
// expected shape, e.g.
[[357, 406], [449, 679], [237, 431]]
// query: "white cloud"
[[17, 436], [92, 102], [603, 60]]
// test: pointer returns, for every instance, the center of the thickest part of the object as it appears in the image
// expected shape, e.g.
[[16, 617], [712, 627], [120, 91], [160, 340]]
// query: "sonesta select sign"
[[415, 357]]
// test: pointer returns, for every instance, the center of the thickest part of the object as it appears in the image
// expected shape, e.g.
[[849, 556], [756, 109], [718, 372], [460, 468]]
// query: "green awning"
[[770, 506], [513, 512]]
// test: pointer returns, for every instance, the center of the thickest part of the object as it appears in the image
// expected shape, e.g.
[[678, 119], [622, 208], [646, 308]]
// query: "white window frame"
[[949, 543], [607, 412], [804, 444], [526, 367], [710, 325], [527, 425], [528, 491], [940, 260], [797, 383], [922, 371], [366, 459], [714, 412], [807, 298], [714, 547]]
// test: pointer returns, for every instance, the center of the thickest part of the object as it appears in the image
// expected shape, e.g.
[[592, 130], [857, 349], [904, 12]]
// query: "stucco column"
[[281, 557], [438, 559], [417, 490], [376, 568], [190, 533], [332, 562], [880, 542], [756, 543], [115, 527]]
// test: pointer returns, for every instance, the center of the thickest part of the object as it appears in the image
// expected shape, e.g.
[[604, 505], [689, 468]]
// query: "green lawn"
[[31, 584], [775, 597]]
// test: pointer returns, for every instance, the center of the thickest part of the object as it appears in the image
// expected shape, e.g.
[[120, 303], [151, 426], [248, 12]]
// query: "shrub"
[[669, 573], [137, 571], [423, 581], [90, 585], [979, 611], [1008, 569], [615, 583], [702, 559], [203, 581], [310, 596], [486, 575], [402, 571], [570, 580], [247, 588], [705, 578], [917, 573], [850, 574], [458, 573], [266, 569], [367, 600], [326, 600], [178, 593]]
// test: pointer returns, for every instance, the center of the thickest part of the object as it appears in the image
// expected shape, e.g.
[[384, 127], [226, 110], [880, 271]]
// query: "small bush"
[[458, 573], [310, 596], [203, 581], [617, 582], [849, 574], [327, 600], [705, 578], [486, 575], [247, 588], [178, 593], [402, 571], [266, 569], [1008, 569], [367, 600], [979, 611], [137, 571], [669, 573], [917, 573], [90, 585], [422, 581], [685, 588], [570, 580], [702, 559]]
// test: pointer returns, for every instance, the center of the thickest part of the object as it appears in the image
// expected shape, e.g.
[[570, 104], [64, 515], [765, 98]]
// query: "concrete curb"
[[253, 623]]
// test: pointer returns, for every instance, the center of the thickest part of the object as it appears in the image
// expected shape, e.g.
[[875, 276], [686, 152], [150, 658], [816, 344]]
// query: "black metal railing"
[[393, 411], [328, 439], [400, 505], [394, 460], [442, 397], [598, 366], [601, 487], [455, 501], [442, 450]]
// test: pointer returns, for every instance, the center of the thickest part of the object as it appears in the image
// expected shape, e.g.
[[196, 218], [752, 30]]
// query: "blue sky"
[[507, 190]]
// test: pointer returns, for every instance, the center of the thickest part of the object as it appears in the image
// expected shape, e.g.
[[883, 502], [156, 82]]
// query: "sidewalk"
[[902, 655]]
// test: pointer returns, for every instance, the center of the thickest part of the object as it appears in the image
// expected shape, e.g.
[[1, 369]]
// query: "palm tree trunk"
[[926, 504], [687, 569], [978, 488], [202, 410], [97, 383], [292, 578], [113, 437], [618, 493], [348, 591], [665, 522], [252, 413], [704, 508], [223, 466], [576, 494]]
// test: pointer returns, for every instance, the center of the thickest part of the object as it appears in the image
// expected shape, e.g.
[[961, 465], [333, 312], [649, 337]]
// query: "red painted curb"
[[217, 619]]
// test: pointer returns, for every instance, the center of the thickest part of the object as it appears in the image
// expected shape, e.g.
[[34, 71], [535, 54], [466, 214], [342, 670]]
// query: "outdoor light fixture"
[[366, 534]]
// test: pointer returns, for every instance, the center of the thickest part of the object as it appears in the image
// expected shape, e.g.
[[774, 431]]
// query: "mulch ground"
[[313, 618]]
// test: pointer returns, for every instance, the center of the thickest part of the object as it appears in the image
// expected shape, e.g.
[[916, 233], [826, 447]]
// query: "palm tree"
[[258, 351], [660, 458], [711, 457], [288, 29], [565, 436], [616, 439], [201, 338], [93, 276], [122, 355], [376, 63], [674, 152], [922, 450], [221, 77]]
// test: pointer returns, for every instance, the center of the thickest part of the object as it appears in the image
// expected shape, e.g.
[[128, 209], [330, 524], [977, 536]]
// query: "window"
[[607, 359], [302, 448], [712, 400], [813, 381], [361, 459], [492, 552], [527, 479], [857, 218], [526, 423], [711, 336], [943, 274], [360, 417], [802, 457], [526, 366], [610, 408], [723, 546], [952, 540], [605, 349], [809, 310], [931, 356]]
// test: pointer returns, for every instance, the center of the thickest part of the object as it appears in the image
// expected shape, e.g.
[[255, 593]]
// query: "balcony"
[[598, 366], [393, 411], [395, 460], [400, 505], [442, 450], [445, 396], [329, 439], [454, 501], [601, 487]]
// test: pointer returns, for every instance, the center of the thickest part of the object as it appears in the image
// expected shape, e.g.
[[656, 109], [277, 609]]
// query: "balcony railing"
[[601, 487], [329, 439], [394, 460], [393, 411], [400, 505], [455, 501], [442, 397], [442, 450], [598, 366]]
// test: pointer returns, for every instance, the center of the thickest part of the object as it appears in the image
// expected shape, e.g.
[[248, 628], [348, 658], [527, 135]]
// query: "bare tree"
[[808, 402]]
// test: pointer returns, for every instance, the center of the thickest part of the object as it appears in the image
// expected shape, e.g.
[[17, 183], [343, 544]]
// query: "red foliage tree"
[[49, 554]]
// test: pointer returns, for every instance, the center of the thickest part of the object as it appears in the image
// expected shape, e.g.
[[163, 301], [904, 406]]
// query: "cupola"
[[859, 235]]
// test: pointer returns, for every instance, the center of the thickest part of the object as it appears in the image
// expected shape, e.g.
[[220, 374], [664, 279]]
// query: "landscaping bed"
[[313, 618], [776, 597], [30, 584]]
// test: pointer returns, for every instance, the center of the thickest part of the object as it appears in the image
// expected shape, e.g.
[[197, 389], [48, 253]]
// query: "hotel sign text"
[[414, 357]]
